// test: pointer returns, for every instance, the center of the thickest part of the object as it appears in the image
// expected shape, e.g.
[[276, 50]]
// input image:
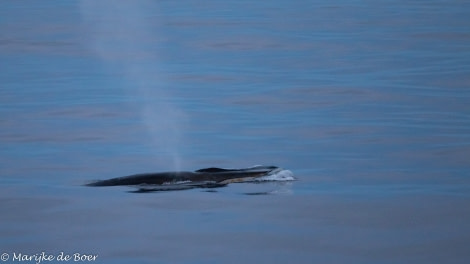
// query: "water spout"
[[124, 36]]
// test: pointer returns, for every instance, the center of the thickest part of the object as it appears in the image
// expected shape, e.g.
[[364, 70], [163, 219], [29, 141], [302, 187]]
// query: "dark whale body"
[[203, 178]]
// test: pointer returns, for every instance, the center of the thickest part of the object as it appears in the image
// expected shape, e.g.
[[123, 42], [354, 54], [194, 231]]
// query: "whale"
[[179, 180]]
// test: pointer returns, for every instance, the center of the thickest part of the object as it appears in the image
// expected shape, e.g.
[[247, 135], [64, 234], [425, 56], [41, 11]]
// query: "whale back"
[[212, 170], [212, 175], [253, 169]]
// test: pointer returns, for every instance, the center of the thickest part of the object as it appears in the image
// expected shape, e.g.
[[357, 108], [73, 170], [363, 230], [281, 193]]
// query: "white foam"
[[278, 175], [176, 182]]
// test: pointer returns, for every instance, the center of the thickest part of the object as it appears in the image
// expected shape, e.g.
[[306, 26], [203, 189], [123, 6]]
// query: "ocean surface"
[[366, 102]]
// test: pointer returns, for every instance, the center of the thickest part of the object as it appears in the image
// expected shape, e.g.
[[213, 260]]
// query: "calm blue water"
[[367, 102]]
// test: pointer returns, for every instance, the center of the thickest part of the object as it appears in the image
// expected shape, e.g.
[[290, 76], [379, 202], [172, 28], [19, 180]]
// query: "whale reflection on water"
[[203, 178]]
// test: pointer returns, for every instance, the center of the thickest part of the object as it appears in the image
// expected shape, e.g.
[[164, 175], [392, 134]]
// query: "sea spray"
[[124, 36]]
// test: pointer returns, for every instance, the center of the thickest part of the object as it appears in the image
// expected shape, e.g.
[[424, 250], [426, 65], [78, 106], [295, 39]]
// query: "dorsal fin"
[[212, 169]]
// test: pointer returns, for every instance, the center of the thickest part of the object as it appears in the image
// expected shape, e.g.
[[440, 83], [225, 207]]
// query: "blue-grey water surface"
[[367, 102]]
